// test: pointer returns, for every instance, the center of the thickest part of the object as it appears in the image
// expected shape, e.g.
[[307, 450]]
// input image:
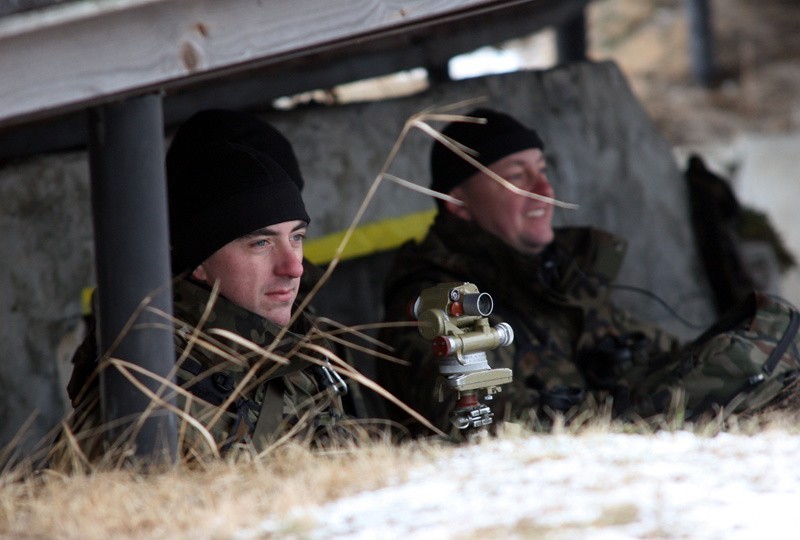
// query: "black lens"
[[478, 304]]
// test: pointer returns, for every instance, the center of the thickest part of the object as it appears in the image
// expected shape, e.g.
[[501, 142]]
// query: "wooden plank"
[[77, 55], [9, 7], [426, 46], [431, 45]]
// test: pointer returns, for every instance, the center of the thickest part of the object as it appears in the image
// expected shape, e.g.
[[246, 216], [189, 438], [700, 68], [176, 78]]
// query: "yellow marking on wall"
[[370, 238], [86, 300]]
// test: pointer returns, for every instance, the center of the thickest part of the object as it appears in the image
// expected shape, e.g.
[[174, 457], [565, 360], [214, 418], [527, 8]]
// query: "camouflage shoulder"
[[599, 252]]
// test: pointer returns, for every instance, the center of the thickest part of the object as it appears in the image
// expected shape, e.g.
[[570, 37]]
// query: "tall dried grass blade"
[[126, 367], [345, 369]]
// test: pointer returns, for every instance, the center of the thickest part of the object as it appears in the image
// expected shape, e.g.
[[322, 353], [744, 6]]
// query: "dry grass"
[[209, 501], [217, 498]]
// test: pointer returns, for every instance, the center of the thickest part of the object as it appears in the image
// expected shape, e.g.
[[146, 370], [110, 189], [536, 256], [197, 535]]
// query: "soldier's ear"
[[200, 274], [460, 210]]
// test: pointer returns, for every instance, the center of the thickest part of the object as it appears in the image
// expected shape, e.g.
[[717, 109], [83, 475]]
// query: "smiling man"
[[523, 223], [548, 284]]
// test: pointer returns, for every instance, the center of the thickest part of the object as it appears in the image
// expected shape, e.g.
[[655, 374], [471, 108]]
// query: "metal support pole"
[[571, 39], [701, 41], [438, 73], [129, 202]]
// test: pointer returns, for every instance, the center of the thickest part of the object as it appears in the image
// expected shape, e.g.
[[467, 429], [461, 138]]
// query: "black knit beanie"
[[227, 190], [212, 126], [500, 136]]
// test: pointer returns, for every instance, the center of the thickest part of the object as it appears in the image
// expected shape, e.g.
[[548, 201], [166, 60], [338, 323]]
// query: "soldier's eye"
[[516, 177]]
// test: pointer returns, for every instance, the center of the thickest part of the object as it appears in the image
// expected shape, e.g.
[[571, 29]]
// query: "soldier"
[[550, 285], [237, 224]]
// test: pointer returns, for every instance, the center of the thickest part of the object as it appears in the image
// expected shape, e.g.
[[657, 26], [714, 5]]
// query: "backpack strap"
[[271, 414], [741, 312], [772, 361], [783, 344]]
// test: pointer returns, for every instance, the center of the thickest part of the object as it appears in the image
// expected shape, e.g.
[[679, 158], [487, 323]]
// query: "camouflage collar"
[[191, 302], [469, 239], [558, 273]]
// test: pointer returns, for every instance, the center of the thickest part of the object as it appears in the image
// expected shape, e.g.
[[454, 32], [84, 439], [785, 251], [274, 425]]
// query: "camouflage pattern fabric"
[[740, 364], [300, 388], [569, 338], [219, 371]]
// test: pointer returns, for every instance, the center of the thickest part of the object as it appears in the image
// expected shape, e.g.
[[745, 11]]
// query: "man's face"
[[523, 223], [261, 270]]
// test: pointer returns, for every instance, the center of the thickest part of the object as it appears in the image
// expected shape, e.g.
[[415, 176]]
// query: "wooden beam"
[[76, 55], [257, 87]]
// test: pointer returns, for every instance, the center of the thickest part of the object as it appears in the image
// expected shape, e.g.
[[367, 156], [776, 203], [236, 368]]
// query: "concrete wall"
[[604, 153], [47, 257]]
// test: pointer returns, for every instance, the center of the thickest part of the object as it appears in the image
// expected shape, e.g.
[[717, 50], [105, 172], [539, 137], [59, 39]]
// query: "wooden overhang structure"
[[112, 75]]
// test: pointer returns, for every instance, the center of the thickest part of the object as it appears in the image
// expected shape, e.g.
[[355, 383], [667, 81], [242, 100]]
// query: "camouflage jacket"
[[242, 385], [569, 337], [283, 380]]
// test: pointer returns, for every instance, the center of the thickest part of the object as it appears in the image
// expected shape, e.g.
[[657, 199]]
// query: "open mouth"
[[536, 213]]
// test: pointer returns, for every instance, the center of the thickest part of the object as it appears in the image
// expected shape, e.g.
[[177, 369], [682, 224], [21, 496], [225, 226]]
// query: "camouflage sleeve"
[[411, 379], [657, 339], [617, 349]]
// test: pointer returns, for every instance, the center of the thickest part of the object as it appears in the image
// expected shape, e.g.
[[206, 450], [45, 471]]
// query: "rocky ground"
[[756, 54]]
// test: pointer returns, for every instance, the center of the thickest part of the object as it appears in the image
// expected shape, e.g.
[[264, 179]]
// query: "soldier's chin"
[[278, 315], [537, 242]]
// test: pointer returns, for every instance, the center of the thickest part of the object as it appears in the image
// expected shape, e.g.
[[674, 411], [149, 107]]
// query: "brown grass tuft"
[[210, 500]]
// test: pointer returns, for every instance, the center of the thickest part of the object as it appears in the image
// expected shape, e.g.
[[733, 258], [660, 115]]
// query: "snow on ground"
[[606, 486]]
